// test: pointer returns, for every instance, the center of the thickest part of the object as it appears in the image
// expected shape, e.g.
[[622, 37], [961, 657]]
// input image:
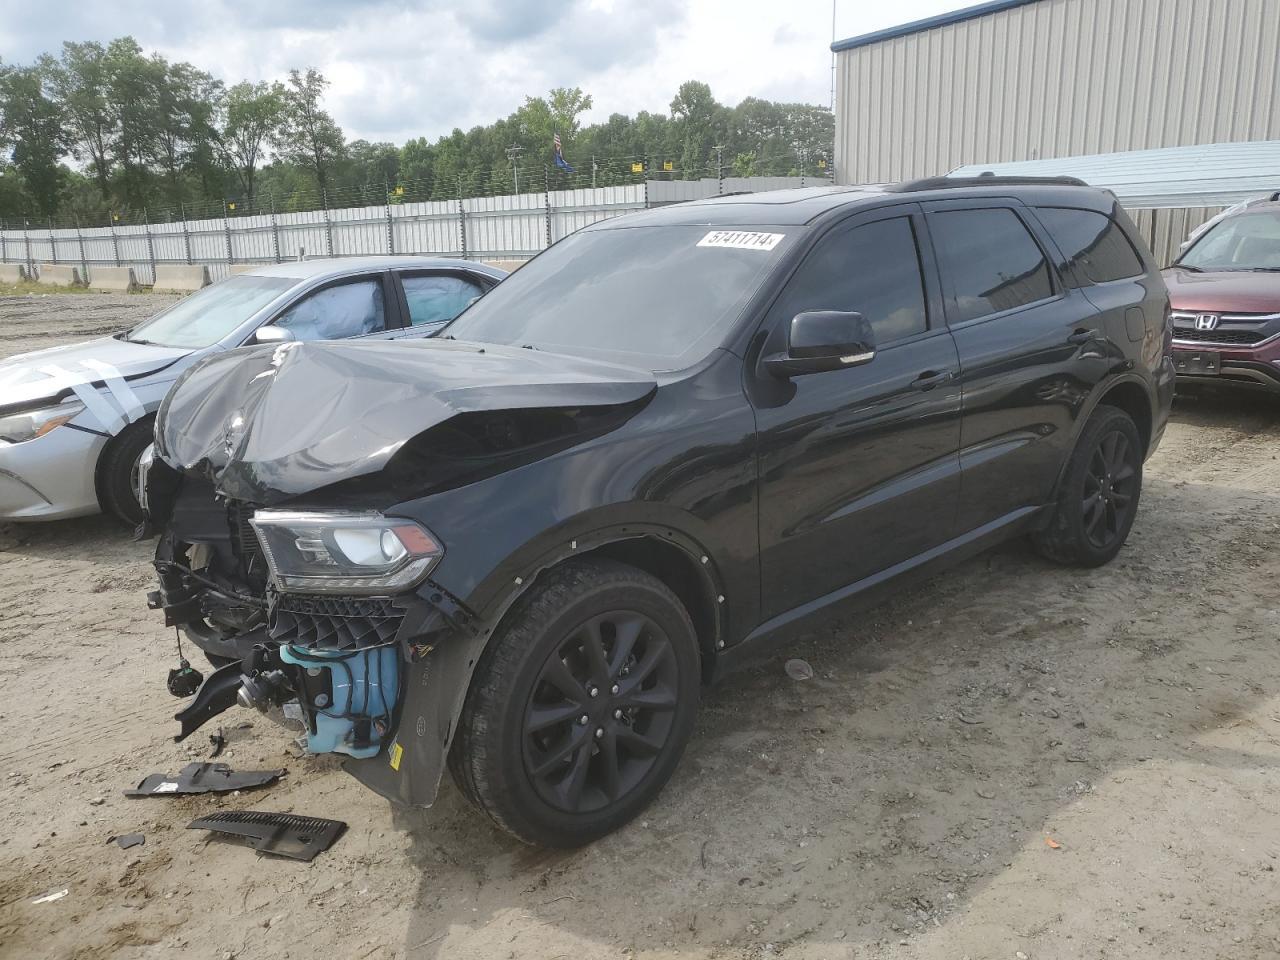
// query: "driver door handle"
[[930, 379], [1081, 337]]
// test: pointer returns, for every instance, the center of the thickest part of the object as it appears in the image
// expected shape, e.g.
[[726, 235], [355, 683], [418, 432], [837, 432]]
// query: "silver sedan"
[[75, 420]]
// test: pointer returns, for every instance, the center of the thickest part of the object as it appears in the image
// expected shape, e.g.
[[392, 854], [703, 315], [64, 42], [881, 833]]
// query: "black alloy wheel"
[[1098, 494], [581, 704], [600, 711], [1110, 490]]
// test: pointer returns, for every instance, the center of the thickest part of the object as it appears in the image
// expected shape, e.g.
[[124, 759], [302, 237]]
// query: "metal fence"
[[504, 227], [511, 227]]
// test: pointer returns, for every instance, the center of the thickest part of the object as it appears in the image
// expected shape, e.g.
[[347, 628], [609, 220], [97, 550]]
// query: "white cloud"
[[403, 69]]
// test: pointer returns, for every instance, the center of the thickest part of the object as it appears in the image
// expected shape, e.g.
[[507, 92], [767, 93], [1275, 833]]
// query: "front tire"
[[118, 472], [581, 705], [1098, 498]]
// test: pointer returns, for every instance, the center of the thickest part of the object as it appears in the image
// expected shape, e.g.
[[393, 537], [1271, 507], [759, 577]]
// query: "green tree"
[[33, 125], [81, 84], [250, 115], [307, 134], [185, 102]]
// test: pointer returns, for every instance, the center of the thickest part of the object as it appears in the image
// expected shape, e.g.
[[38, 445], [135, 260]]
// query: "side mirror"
[[271, 334], [821, 340]]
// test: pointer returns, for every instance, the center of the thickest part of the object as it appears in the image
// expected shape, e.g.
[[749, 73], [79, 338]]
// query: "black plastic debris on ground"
[[127, 840], [218, 741], [288, 835], [203, 778]]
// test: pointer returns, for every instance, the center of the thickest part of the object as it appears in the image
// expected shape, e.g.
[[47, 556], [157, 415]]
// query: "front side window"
[[873, 269], [437, 298], [1250, 241], [1093, 243], [338, 312], [992, 261], [211, 314]]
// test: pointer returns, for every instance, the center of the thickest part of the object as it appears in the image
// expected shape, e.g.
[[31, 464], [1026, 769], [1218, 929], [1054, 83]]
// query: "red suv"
[[1225, 295]]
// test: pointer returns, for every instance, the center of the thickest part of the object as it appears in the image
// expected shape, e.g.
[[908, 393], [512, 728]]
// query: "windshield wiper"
[[1187, 266]]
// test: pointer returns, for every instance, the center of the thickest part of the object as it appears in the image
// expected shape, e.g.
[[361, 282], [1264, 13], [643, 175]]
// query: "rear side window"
[[873, 269], [992, 261], [1092, 243]]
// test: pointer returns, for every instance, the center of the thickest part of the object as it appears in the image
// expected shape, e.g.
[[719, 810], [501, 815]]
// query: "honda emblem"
[[1207, 321]]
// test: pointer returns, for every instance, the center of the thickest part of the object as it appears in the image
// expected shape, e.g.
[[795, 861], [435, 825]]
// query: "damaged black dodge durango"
[[518, 550]]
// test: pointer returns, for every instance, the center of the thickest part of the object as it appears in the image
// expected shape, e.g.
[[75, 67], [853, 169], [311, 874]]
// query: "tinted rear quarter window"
[[992, 261], [1093, 243]]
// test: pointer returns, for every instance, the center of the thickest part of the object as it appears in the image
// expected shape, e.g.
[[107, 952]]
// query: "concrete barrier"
[[242, 268], [180, 278], [58, 275], [113, 280], [508, 265], [12, 273]]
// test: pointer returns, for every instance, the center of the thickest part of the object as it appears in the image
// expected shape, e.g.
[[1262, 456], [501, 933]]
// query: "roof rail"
[[982, 180]]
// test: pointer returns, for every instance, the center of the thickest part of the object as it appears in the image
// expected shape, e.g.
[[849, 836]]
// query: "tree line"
[[106, 132]]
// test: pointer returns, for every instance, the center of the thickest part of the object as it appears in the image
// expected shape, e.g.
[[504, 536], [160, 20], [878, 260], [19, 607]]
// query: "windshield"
[[208, 315], [656, 297], [1250, 241]]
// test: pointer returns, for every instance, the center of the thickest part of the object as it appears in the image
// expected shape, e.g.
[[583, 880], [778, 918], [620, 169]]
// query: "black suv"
[[518, 550]]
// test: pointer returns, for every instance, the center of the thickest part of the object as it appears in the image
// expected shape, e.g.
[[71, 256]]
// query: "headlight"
[[30, 424], [363, 553]]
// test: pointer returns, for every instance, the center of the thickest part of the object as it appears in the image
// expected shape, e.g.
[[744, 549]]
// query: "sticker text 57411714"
[[741, 240]]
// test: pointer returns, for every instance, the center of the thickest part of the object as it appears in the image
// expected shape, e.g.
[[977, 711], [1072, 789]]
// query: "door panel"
[[859, 467], [1028, 363]]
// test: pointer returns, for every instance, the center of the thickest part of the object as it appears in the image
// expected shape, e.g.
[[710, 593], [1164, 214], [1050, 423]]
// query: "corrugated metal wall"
[[1059, 78]]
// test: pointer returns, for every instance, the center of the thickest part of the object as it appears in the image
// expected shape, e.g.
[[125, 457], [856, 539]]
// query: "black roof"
[[798, 207]]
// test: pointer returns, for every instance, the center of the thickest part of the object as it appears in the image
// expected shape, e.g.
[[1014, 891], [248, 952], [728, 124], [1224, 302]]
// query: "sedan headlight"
[[361, 553], [29, 424]]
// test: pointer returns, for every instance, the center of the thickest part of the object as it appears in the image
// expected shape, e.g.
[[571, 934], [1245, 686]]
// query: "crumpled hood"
[[268, 423], [44, 374]]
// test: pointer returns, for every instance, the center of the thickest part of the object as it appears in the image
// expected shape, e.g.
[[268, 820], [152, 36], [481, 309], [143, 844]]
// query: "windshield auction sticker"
[[741, 240]]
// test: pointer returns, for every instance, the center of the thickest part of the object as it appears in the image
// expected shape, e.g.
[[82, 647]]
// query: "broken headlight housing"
[[350, 553], [18, 427]]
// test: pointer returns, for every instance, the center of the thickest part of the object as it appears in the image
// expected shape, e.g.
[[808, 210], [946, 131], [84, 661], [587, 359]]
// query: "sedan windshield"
[[209, 315], [1250, 241], [658, 297]]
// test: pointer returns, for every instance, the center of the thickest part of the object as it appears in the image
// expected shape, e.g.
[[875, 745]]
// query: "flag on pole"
[[561, 162]]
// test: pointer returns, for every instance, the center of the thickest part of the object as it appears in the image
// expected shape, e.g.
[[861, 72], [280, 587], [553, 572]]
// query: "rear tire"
[[522, 752], [117, 471], [1098, 498]]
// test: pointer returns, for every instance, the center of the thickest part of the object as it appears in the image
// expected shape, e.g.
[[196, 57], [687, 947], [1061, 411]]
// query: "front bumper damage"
[[379, 679]]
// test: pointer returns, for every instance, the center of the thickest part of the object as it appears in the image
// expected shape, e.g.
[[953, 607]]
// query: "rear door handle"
[[930, 379], [1081, 337]]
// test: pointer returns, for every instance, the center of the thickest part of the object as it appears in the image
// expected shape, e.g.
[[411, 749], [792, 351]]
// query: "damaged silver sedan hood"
[[268, 423]]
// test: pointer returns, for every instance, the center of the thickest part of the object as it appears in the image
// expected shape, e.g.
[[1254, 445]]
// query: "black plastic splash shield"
[[276, 834], [203, 778], [265, 424]]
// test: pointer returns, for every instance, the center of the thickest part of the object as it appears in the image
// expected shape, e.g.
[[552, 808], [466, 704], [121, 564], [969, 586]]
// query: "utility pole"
[[719, 169], [513, 154]]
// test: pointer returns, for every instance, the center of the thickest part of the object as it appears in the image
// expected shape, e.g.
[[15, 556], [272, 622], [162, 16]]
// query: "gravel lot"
[[899, 804]]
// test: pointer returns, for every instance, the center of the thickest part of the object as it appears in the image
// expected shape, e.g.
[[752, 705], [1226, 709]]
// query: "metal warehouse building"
[[1015, 80]]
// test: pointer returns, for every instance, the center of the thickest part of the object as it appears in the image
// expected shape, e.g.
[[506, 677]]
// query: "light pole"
[[513, 154]]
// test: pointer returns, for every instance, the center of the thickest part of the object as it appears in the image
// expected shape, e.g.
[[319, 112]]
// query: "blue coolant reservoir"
[[355, 713]]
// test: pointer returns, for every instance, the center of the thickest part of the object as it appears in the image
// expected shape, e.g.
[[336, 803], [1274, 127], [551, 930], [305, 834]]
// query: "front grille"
[[1244, 337], [334, 623]]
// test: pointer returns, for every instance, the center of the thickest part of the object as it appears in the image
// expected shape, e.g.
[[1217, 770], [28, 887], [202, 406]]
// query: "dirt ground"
[[899, 804]]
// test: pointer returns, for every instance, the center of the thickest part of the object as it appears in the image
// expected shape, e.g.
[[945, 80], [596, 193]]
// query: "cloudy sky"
[[410, 69]]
